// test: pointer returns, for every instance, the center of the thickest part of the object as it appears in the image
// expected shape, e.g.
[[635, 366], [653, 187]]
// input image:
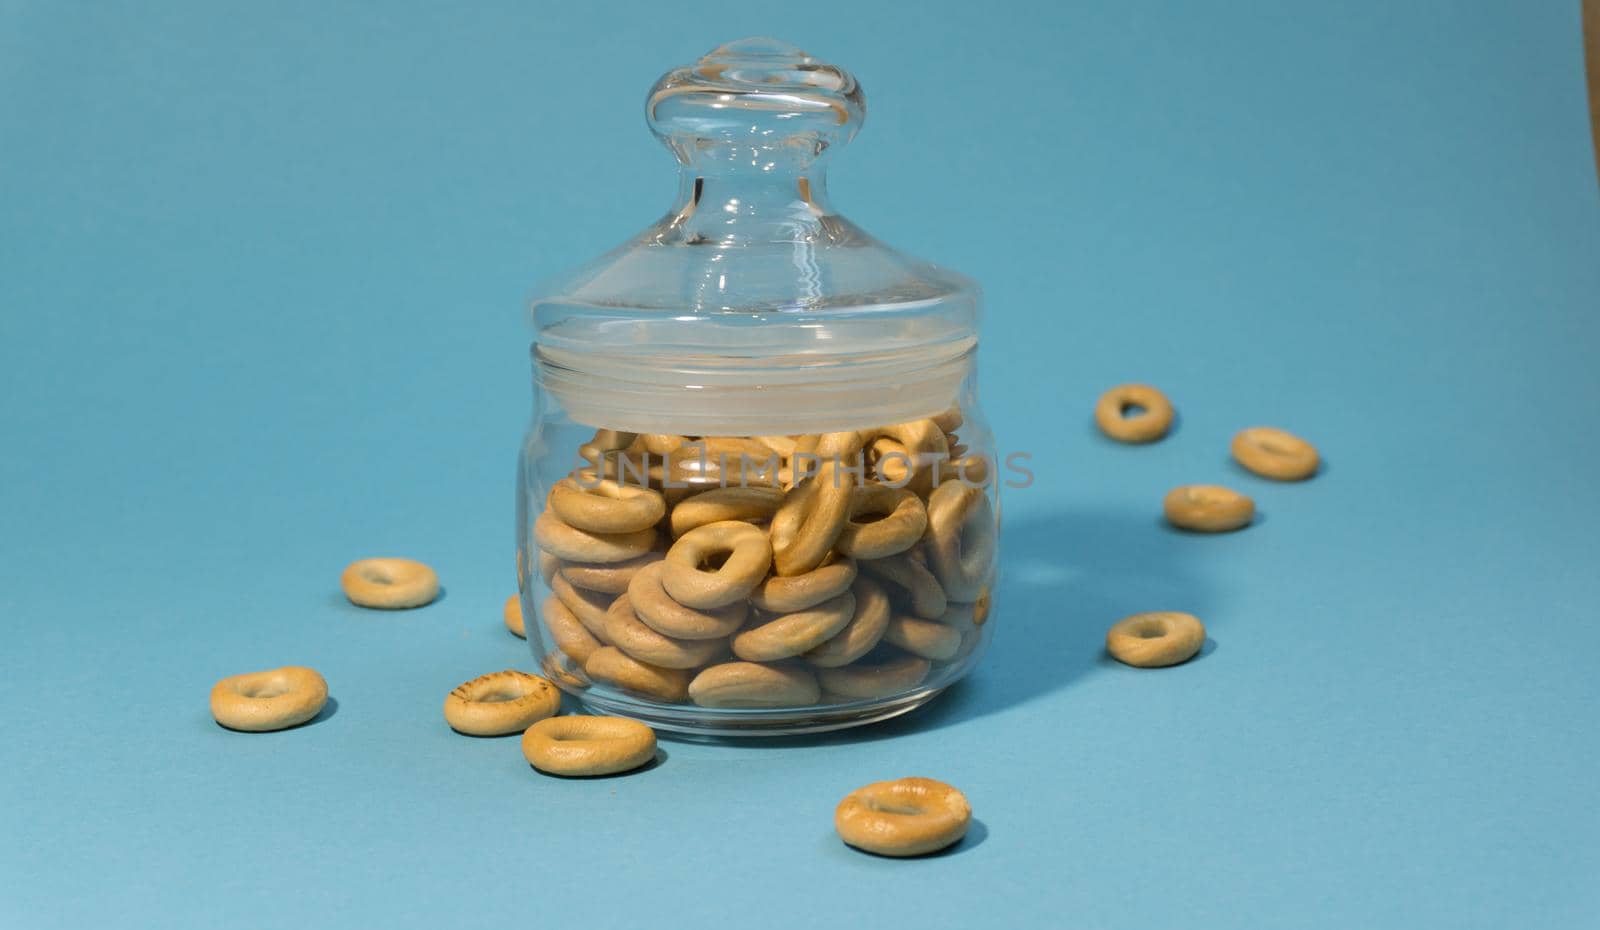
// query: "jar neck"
[[750, 195]]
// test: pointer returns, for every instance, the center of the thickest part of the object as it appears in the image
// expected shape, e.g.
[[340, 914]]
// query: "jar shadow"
[[1065, 578], [1323, 468]]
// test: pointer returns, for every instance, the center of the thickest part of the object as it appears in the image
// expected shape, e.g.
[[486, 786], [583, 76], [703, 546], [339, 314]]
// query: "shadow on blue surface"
[[652, 765], [977, 834], [327, 712], [338, 599], [1066, 577], [1112, 665], [1233, 466], [1259, 519]]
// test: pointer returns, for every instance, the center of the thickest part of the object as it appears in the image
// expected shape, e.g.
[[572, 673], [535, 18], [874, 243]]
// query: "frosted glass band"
[[625, 392]]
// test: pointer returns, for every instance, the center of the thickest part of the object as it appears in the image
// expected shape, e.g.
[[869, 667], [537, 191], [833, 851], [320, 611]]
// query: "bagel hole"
[[1151, 631], [1272, 445], [1130, 410], [714, 561], [871, 515], [263, 691], [892, 807], [499, 696], [893, 471], [377, 576]]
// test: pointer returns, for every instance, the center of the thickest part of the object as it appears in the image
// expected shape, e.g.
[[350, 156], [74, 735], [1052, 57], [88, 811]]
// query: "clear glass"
[[757, 494]]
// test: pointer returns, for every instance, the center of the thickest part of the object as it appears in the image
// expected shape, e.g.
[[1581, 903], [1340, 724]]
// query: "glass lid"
[[752, 283]]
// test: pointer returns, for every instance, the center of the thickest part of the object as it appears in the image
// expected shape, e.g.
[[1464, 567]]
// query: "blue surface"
[[260, 276]]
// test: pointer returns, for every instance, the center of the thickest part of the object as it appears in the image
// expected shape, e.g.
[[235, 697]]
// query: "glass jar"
[[757, 495]]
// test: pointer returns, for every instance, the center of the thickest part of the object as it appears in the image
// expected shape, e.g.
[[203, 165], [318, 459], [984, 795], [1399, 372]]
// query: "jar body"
[[780, 583]]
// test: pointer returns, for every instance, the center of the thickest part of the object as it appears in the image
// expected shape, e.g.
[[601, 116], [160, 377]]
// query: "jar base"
[[692, 722]]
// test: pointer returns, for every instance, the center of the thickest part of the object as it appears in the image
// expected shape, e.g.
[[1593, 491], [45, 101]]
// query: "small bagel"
[[813, 515], [909, 575], [548, 566], [781, 594], [559, 538], [961, 539], [614, 667], [862, 633], [259, 702], [558, 667], [1274, 453], [951, 420], [844, 445], [635, 469], [612, 440], [968, 469], [974, 470], [1155, 639], [923, 441], [891, 462], [612, 578], [512, 613], [606, 506], [661, 443], [927, 638], [789, 635], [1207, 508], [389, 584], [579, 745], [748, 556], [901, 522], [875, 679], [801, 463], [748, 684], [1110, 413], [893, 470], [499, 703], [588, 606], [905, 817], [641, 642], [568, 632], [751, 504], [656, 609], [783, 445], [606, 441]]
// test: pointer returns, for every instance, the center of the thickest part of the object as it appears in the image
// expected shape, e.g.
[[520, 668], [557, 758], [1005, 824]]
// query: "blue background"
[[261, 279]]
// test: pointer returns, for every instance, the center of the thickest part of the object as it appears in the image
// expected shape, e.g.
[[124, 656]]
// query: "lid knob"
[[755, 95]]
